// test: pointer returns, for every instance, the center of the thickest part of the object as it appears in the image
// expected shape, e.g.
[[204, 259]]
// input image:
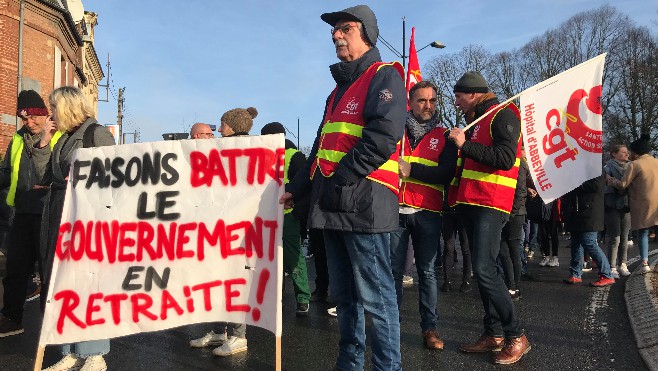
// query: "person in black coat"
[[583, 215]]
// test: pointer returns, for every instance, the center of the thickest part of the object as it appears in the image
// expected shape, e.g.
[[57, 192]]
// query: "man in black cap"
[[491, 153], [23, 167], [354, 185], [294, 262]]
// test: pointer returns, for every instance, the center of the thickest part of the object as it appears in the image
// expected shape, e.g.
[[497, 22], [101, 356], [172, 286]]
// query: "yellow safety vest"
[[17, 145]]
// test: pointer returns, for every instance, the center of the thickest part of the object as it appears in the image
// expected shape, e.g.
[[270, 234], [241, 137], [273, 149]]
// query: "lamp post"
[[435, 44]]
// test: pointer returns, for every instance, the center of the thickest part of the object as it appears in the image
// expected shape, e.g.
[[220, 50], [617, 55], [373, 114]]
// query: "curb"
[[643, 314]]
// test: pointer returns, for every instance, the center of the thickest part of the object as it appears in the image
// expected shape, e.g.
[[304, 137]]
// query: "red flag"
[[413, 69]]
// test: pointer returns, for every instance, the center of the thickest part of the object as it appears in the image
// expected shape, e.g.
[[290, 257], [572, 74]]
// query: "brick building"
[[57, 50]]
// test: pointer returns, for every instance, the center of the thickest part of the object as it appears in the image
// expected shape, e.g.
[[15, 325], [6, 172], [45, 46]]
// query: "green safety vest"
[[17, 145], [289, 153]]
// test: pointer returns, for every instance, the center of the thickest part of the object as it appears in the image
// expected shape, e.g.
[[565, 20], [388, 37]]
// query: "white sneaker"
[[68, 363], [231, 346], [645, 268], [586, 267], [615, 274], [208, 339], [332, 312], [554, 262], [94, 363], [630, 243], [407, 281], [623, 269], [544, 261]]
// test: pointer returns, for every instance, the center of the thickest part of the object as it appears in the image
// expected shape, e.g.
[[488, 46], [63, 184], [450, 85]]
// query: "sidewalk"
[[642, 304]]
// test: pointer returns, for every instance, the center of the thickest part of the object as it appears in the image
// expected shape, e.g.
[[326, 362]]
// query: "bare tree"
[[445, 70], [636, 101]]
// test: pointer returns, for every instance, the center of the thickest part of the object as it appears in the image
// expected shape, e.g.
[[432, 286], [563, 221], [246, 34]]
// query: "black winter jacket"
[[350, 202], [582, 208], [521, 192], [505, 130]]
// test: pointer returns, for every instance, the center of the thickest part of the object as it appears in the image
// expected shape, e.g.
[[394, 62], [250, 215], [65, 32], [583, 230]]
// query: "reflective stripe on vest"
[[17, 145], [414, 192], [482, 185], [343, 128], [286, 164]]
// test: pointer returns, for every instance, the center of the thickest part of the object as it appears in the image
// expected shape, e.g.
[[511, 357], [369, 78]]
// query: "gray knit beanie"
[[471, 82]]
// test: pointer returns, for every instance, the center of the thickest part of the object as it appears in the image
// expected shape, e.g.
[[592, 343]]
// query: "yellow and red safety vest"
[[343, 128], [414, 192], [482, 185]]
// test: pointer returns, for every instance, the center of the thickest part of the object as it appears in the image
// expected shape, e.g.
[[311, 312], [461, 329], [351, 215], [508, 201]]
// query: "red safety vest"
[[343, 128], [482, 185], [419, 194]]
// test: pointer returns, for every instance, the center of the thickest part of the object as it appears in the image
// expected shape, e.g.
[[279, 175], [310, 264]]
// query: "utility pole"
[[107, 82], [120, 114]]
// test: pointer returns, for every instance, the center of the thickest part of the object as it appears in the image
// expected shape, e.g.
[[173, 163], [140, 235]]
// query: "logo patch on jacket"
[[434, 144], [385, 95], [350, 107]]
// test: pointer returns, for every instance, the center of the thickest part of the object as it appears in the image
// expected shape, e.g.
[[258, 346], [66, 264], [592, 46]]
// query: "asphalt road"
[[569, 327]]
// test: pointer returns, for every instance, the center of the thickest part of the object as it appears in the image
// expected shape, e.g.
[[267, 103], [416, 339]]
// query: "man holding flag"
[[490, 152]]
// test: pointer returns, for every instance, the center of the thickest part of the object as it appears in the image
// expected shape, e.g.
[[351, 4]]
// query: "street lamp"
[[435, 44]]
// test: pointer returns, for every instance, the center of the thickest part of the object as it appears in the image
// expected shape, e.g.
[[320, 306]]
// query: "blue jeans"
[[86, 349], [587, 241], [424, 227], [484, 227], [361, 281], [643, 240], [532, 236]]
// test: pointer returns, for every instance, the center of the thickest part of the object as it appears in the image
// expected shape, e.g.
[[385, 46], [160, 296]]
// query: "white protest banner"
[[562, 128], [160, 235]]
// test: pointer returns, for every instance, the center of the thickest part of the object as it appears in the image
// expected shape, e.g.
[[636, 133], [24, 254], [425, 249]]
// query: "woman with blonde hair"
[[74, 117]]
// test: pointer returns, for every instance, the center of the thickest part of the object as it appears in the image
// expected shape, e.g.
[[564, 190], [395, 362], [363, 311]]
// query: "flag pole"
[[547, 82], [38, 362], [493, 110]]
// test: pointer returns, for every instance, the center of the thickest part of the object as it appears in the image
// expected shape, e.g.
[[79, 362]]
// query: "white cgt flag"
[[562, 128]]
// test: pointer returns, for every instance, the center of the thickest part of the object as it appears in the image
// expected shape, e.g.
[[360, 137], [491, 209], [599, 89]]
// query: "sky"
[[190, 61]]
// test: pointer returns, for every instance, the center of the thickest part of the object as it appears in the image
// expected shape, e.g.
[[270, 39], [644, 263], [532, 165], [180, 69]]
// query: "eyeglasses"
[[344, 28]]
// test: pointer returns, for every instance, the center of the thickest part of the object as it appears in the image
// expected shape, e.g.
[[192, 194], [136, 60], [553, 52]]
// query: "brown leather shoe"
[[484, 344], [513, 350], [431, 340]]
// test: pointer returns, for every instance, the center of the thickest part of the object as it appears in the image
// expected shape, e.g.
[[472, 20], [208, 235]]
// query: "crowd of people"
[[384, 183]]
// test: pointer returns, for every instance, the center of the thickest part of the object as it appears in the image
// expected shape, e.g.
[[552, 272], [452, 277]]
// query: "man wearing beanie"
[[490, 151], [641, 179], [294, 262], [352, 177], [23, 167]]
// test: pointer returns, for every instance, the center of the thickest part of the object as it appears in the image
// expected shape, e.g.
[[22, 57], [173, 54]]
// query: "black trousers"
[[451, 227], [510, 250], [548, 235], [22, 253], [316, 241]]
